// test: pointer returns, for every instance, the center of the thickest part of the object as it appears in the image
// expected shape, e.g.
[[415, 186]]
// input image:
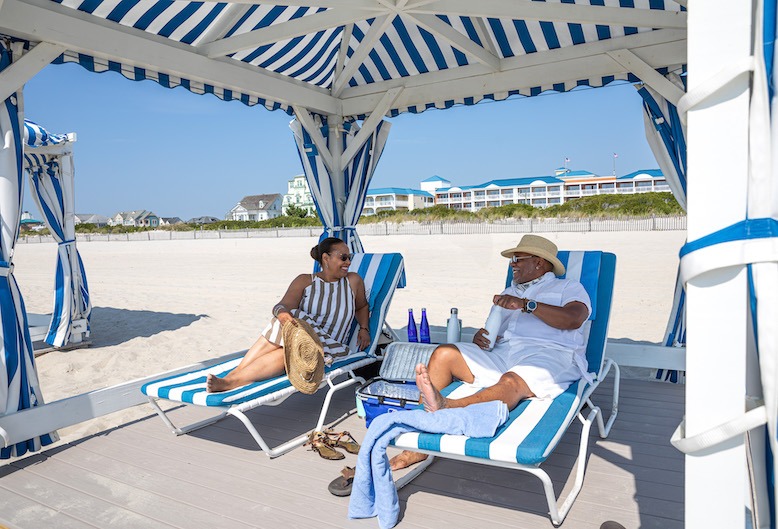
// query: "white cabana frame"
[[339, 58]]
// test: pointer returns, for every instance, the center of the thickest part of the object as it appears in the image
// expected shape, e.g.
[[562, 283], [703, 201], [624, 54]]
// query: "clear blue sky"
[[141, 146]]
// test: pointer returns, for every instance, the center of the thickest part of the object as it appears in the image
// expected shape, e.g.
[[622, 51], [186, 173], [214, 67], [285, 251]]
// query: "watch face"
[[532, 305]]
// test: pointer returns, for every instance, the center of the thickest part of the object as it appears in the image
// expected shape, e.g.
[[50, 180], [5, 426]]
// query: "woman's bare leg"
[[263, 360]]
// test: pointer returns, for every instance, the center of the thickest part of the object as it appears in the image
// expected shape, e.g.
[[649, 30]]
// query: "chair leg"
[[556, 511], [184, 429], [605, 428]]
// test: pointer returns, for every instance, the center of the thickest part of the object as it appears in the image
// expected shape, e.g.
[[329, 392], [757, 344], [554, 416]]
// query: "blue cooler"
[[395, 387]]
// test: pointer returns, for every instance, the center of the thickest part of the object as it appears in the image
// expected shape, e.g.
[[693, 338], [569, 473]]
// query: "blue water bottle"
[[424, 329], [412, 336]]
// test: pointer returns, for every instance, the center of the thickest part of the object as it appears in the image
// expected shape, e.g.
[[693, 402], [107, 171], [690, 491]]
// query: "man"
[[540, 348]]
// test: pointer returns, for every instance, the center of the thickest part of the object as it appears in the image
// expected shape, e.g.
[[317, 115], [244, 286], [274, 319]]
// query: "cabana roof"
[[353, 57]]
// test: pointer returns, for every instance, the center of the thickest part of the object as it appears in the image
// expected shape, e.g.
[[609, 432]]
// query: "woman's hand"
[[284, 317], [363, 338]]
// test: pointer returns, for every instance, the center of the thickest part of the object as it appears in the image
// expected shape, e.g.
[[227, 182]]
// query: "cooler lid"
[[400, 359]]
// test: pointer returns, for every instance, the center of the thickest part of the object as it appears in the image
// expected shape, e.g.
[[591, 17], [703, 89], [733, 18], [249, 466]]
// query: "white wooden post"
[[335, 124], [719, 34]]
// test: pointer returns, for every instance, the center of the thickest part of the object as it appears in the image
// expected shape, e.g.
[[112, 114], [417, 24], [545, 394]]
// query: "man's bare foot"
[[430, 397], [214, 384], [405, 459]]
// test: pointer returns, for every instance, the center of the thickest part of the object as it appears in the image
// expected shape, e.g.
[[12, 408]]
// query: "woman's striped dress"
[[329, 308]]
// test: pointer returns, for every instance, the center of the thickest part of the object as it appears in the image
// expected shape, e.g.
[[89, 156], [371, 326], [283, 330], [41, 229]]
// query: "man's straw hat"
[[303, 355], [540, 247]]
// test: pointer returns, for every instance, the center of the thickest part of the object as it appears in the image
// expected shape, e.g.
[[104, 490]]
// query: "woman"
[[329, 300]]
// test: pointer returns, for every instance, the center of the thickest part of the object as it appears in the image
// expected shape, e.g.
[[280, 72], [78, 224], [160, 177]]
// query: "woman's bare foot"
[[214, 384], [430, 397], [405, 459]]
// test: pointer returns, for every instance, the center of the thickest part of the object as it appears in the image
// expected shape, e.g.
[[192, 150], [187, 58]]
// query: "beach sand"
[[159, 305]]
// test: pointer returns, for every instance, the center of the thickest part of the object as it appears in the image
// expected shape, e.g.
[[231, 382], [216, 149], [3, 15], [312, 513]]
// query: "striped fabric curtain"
[[339, 206], [51, 180], [19, 387], [666, 136]]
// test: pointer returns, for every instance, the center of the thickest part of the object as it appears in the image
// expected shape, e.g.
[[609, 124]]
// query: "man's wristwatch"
[[530, 306]]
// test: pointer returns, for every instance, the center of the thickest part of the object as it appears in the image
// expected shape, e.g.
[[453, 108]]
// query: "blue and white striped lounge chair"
[[381, 272], [535, 426]]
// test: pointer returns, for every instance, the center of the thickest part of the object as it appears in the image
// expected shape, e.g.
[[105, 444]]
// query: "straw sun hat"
[[303, 355], [540, 247]]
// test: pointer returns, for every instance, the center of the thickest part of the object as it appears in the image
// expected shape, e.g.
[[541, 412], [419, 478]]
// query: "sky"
[[178, 154]]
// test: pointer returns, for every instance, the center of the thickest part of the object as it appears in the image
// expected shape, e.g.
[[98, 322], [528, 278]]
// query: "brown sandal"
[[320, 444], [342, 440]]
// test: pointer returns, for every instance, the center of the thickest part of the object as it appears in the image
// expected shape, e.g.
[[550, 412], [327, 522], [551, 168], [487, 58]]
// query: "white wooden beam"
[[455, 38], [716, 483], [345, 39], [355, 61], [81, 32], [40, 420], [226, 20], [556, 12], [648, 75], [331, 18], [25, 67], [658, 48], [485, 36], [370, 124], [306, 120]]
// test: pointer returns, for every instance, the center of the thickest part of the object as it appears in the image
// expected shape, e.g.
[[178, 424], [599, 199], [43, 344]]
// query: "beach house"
[[256, 207], [396, 199], [544, 191], [298, 194], [139, 218]]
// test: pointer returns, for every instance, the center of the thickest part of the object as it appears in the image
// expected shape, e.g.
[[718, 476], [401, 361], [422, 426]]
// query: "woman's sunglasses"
[[345, 256]]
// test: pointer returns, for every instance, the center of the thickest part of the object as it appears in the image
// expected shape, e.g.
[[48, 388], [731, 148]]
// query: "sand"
[[159, 305]]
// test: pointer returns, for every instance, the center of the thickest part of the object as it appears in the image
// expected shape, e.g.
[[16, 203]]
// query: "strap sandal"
[[342, 440], [341, 486], [320, 444]]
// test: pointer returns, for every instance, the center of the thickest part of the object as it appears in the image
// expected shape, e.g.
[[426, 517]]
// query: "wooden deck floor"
[[140, 475]]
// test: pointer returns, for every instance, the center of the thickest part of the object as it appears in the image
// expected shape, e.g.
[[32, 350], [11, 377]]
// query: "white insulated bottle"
[[493, 324], [454, 327]]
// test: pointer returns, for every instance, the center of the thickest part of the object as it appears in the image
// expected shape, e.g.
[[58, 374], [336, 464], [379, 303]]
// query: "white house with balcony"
[[299, 194], [256, 208], [139, 218], [544, 191], [396, 199]]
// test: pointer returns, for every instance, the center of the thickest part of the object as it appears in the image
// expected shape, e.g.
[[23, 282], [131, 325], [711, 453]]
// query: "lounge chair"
[[535, 426], [381, 273]]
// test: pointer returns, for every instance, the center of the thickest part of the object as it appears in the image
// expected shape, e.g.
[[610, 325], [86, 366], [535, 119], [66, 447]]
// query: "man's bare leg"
[[446, 364], [511, 389]]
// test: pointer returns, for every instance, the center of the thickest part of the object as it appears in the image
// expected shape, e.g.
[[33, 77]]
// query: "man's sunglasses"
[[515, 259]]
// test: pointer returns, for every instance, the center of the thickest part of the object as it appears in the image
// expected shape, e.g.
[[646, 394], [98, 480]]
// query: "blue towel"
[[373, 492]]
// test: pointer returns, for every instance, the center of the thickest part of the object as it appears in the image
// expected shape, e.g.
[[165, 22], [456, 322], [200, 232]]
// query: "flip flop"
[[341, 486], [342, 440], [321, 445]]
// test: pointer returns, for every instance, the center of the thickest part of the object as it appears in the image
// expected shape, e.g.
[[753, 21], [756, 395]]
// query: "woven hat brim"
[[303, 356], [559, 268]]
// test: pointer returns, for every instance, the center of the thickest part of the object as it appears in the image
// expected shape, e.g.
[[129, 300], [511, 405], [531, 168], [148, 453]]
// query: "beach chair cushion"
[[531, 440], [380, 272], [190, 387]]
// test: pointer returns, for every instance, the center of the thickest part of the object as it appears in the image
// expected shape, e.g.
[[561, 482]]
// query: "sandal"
[[341, 486], [342, 440], [320, 444]]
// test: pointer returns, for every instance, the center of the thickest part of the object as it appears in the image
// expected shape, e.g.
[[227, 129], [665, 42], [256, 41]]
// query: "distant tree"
[[296, 211]]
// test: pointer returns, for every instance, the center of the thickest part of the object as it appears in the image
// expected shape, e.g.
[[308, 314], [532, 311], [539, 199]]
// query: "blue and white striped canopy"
[[341, 56]]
